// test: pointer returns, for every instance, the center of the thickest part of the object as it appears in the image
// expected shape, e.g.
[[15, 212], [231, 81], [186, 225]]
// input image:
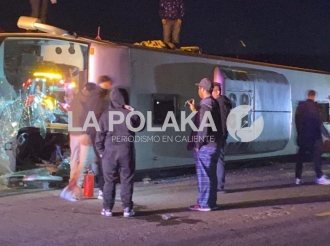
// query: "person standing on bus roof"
[[171, 13], [225, 107], [39, 9], [310, 129]]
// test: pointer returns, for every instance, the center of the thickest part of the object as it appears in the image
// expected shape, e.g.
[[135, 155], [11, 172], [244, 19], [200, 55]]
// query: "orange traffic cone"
[[89, 185]]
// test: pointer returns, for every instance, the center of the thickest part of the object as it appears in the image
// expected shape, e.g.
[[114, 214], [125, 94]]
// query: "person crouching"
[[116, 147]]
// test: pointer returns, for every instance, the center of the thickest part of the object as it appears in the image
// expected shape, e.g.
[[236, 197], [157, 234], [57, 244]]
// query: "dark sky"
[[288, 32]]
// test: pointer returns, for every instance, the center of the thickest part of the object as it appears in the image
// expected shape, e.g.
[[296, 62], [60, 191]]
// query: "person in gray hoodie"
[[115, 143]]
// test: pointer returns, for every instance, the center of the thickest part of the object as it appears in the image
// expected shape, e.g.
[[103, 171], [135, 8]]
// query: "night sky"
[[288, 32]]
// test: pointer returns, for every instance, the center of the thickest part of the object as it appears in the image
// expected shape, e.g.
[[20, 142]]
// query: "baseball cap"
[[103, 79], [206, 84]]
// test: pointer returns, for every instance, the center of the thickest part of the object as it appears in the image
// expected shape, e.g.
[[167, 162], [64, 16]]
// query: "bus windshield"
[[38, 78], [49, 65]]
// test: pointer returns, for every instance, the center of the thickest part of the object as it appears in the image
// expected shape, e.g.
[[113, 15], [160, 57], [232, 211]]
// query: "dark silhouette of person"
[[39, 9], [310, 129]]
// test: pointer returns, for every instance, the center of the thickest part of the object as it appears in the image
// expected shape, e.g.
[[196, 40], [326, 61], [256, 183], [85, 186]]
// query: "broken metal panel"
[[33, 178]]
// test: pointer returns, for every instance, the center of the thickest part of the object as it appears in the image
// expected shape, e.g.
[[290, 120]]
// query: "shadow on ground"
[[156, 215], [270, 187]]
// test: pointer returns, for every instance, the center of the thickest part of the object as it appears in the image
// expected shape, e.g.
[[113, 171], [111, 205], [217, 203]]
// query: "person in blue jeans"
[[205, 144], [82, 142]]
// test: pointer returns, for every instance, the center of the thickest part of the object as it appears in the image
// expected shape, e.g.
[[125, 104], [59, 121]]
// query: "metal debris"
[[33, 178]]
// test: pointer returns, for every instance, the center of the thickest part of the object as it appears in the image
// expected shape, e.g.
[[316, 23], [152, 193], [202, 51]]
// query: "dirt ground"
[[262, 206]]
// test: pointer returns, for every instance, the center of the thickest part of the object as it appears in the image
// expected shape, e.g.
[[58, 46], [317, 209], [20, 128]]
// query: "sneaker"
[[298, 181], [100, 196], [197, 207], [323, 180], [68, 195], [106, 212], [128, 212], [74, 199]]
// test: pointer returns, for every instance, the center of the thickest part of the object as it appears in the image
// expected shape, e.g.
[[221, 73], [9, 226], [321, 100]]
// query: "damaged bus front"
[[39, 75]]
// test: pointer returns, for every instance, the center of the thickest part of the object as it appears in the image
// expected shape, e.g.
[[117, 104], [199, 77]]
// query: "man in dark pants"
[[98, 103], [115, 143], [205, 143], [225, 107], [171, 13], [309, 137], [39, 9]]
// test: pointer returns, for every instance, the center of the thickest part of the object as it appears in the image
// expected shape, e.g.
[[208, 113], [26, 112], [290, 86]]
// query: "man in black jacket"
[[82, 141], [309, 137], [225, 107], [205, 144], [115, 143]]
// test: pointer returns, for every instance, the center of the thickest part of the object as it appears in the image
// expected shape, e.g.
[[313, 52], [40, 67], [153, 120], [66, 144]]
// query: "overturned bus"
[[41, 71]]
